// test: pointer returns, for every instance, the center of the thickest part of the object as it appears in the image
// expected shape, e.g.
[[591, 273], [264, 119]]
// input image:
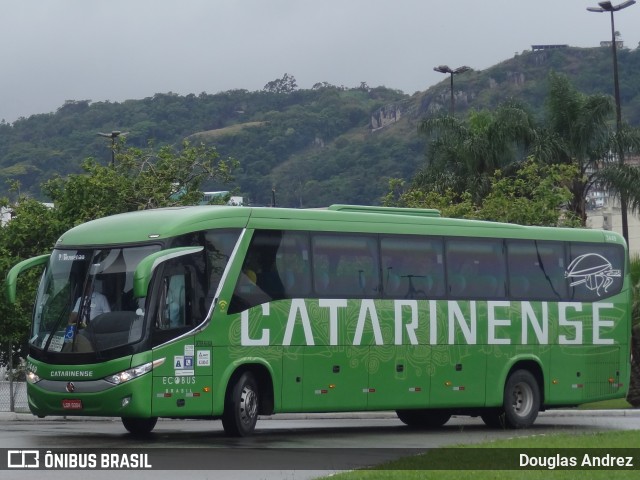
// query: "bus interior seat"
[[435, 283], [289, 280], [349, 284], [393, 284], [296, 283], [486, 285], [427, 284], [457, 284], [519, 286], [322, 282]]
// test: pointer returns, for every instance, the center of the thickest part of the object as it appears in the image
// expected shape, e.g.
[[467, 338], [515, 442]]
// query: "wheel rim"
[[522, 399], [248, 405]]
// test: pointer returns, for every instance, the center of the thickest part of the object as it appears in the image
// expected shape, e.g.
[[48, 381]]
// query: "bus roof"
[[146, 225]]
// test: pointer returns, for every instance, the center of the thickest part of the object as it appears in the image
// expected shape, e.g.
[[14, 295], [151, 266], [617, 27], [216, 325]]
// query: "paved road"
[[277, 441]]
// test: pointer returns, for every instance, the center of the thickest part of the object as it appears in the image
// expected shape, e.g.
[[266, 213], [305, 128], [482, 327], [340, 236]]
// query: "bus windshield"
[[85, 301]]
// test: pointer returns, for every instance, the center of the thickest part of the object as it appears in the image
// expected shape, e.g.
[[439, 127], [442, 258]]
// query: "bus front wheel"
[[241, 407], [139, 426], [521, 400]]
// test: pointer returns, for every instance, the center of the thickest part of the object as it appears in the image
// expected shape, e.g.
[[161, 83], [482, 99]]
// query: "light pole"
[[608, 7], [446, 69], [113, 135]]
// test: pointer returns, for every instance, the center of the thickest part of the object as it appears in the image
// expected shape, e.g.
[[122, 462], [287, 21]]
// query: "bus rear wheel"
[[139, 426], [521, 400], [241, 407], [426, 418]]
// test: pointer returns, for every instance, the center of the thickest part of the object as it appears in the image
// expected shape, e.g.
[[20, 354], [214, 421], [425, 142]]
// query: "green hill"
[[318, 146]]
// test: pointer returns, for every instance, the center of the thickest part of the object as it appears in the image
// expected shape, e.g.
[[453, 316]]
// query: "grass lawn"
[[616, 404], [422, 466]]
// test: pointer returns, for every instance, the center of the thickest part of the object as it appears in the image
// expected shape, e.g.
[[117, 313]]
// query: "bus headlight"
[[134, 372], [32, 378]]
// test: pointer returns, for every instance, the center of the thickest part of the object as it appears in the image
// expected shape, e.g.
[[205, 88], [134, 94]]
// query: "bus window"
[[536, 270], [93, 290], [180, 300], [476, 268], [182, 292], [292, 265], [260, 279], [594, 271], [219, 245], [412, 267], [173, 312], [345, 265]]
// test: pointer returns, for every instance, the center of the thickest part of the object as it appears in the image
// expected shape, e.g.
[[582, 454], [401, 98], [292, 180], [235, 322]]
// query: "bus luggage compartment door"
[[335, 378]]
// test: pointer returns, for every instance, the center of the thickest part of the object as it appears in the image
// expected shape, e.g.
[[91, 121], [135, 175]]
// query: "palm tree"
[[577, 131], [463, 154]]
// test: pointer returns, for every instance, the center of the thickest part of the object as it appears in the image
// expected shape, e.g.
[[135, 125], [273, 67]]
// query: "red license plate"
[[72, 404]]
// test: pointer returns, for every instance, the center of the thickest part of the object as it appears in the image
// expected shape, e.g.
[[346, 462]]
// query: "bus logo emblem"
[[592, 270], [71, 387]]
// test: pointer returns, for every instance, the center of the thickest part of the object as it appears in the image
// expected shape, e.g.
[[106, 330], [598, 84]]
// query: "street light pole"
[[608, 7], [446, 69], [113, 135]]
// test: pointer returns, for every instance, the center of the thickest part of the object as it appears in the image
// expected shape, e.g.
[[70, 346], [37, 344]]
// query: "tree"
[[535, 194], [32, 230], [286, 84], [577, 131], [625, 180], [140, 179], [463, 154]]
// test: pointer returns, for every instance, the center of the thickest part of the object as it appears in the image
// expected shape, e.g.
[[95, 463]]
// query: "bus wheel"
[[521, 400], [424, 418], [139, 426], [241, 407]]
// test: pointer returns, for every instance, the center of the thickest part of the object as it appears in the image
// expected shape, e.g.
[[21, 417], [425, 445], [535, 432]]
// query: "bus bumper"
[[91, 398]]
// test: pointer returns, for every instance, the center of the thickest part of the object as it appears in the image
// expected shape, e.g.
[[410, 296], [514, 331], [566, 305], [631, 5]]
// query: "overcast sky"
[[57, 50]]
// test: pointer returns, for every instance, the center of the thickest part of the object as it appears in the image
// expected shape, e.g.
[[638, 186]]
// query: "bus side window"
[[346, 265], [259, 281], [173, 312], [476, 268], [412, 266], [176, 301], [536, 270], [219, 246], [292, 264]]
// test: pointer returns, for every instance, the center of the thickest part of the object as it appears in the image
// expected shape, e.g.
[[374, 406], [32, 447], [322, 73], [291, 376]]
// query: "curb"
[[28, 417]]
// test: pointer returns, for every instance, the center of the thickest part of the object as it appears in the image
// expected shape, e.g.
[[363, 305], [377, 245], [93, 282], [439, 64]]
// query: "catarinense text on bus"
[[507, 322]]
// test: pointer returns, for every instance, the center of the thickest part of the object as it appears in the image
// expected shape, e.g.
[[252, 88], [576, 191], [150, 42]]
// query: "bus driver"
[[97, 305]]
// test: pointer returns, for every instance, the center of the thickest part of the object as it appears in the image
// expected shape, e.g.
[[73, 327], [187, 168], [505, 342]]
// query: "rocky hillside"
[[319, 146]]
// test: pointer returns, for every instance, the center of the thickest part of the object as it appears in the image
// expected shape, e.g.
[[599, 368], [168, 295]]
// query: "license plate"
[[72, 404]]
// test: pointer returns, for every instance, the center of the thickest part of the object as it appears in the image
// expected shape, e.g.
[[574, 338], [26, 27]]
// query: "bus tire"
[[241, 407], [521, 400], [426, 418], [139, 426]]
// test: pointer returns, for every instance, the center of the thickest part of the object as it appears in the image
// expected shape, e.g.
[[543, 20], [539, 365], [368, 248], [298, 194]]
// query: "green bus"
[[231, 312]]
